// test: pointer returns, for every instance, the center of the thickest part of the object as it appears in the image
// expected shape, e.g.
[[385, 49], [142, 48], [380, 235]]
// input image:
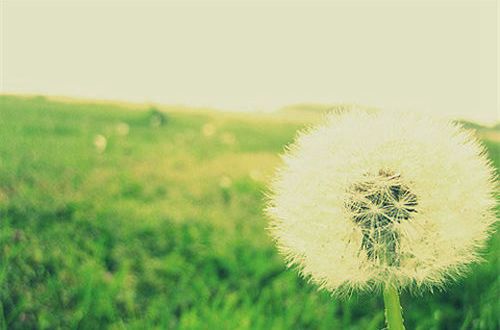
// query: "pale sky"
[[429, 56]]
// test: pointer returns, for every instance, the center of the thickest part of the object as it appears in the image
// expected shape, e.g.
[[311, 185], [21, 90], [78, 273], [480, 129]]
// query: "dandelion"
[[225, 182], [122, 129], [100, 142], [208, 129], [157, 118], [228, 138], [381, 200]]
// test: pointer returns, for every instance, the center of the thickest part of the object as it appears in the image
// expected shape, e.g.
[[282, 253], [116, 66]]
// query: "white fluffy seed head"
[[367, 199]]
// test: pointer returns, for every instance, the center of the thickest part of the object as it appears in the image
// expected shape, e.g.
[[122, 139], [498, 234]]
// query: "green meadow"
[[123, 216]]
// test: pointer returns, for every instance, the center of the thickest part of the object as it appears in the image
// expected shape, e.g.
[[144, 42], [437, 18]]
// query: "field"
[[132, 217]]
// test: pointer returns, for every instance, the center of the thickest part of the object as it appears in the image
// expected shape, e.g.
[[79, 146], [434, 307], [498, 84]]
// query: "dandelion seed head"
[[366, 199], [228, 138], [208, 129], [225, 182], [122, 129], [100, 143]]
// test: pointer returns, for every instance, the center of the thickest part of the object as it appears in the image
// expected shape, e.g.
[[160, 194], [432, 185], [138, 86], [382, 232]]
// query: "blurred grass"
[[130, 217]]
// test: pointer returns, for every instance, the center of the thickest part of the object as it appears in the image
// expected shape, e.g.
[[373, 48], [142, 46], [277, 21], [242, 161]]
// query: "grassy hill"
[[135, 217]]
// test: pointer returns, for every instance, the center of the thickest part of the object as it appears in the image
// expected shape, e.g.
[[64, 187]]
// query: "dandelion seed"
[[382, 200], [100, 142]]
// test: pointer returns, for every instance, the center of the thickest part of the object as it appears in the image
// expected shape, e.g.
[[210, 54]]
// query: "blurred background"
[[137, 139]]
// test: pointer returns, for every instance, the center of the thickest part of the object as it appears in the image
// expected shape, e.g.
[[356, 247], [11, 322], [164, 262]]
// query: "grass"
[[163, 227]]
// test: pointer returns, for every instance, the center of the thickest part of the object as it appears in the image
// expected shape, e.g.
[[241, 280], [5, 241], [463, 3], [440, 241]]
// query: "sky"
[[435, 57]]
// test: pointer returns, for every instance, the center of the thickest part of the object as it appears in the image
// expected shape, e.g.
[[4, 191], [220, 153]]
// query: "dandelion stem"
[[393, 311]]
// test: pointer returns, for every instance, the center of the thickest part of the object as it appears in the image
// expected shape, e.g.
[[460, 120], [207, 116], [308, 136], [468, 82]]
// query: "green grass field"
[[123, 217]]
